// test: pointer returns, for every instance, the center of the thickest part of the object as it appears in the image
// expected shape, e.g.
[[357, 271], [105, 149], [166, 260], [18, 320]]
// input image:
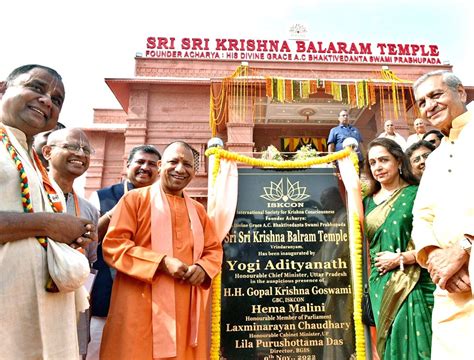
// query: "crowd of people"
[[151, 250], [137, 275], [419, 225]]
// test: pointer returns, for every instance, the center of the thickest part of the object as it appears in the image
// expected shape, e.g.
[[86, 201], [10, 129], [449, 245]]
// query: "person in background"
[[166, 253], [434, 136], [401, 292], [35, 323], [443, 223], [345, 130], [390, 133], [142, 170], [417, 154], [41, 139], [420, 130], [68, 152]]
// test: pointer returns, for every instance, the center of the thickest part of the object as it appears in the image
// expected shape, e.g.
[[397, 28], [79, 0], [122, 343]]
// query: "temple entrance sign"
[[286, 284]]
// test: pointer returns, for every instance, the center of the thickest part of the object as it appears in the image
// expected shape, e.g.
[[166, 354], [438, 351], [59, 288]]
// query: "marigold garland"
[[355, 238], [216, 317], [241, 89], [224, 154], [356, 260], [26, 197]]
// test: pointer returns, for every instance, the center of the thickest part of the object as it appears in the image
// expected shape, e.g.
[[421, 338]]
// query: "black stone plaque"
[[286, 280]]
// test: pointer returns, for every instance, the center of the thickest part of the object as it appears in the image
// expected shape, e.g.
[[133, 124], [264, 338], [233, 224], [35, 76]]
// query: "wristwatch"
[[466, 245]]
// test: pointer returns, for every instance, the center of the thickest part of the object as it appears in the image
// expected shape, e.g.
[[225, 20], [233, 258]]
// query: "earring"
[[400, 170]]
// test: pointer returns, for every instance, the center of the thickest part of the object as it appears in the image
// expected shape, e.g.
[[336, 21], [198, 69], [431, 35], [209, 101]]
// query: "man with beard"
[[142, 170], [443, 213]]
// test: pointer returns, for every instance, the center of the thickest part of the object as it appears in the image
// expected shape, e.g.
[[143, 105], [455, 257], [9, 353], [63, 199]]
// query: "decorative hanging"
[[236, 96]]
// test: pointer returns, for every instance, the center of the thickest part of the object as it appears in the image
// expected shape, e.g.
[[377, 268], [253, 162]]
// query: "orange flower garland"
[[355, 239]]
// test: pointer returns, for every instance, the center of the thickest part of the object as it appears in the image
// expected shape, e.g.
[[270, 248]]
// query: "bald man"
[[68, 154], [165, 250], [420, 130], [41, 139], [390, 133]]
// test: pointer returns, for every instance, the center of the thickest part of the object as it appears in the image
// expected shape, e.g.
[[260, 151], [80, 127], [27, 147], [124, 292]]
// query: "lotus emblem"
[[294, 191]]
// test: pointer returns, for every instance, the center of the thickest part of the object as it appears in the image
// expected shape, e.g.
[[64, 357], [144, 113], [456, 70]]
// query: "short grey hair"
[[451, 80]]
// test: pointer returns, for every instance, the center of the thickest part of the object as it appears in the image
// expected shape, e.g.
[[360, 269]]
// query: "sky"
[[91, 40]]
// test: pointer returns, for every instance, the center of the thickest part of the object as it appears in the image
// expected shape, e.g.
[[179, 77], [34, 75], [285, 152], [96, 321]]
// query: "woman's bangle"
[[400, 260]]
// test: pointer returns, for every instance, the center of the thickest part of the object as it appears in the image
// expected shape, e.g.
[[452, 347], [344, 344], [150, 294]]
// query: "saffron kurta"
[[443, 213], [127, 248], [34, 323]]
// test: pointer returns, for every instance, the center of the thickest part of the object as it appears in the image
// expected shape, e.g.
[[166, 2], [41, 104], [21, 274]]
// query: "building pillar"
[[240, 138], [240, 126], [96, 165], [136, 131]]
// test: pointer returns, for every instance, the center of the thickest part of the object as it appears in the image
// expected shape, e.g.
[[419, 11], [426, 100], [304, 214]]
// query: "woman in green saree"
[[401, 291]]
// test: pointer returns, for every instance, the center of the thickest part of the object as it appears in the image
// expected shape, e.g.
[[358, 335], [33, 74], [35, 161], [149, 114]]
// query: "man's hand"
[[459, 282], [195, 275], [86, 238], [60, 227], [69, 229], [444, 263], [104, 222], [173, 267]]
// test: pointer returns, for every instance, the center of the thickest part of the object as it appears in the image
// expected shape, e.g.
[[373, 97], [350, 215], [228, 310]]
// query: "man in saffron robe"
[[142, 170], [166, 253]]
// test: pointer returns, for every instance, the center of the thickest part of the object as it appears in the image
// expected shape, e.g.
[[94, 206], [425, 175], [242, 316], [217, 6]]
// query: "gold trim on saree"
[[400, 284]]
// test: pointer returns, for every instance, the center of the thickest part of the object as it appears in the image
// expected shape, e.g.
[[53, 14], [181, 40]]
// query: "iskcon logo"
[[276, 192]]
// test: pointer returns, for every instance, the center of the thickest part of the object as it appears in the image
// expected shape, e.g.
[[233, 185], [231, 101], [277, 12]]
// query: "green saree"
[[402, 301]]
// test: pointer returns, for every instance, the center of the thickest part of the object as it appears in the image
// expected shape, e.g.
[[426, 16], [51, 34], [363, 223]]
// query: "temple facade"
[[248, 105]]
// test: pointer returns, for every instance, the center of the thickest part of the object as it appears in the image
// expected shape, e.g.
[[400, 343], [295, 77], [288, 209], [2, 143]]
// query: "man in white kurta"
[[34, 323], [420, 131], [444, 214], [390, 133]]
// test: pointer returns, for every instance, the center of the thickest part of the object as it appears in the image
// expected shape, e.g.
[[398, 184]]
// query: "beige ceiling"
[[322, 111]]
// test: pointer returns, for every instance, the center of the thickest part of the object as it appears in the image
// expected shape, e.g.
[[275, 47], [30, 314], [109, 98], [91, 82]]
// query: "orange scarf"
[[163, 294]]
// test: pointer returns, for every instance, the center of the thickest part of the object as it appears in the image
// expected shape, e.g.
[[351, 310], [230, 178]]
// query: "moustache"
[[143, 172]]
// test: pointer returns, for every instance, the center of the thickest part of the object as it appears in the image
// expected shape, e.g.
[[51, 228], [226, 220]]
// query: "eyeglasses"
[[417, 159], [76, 148]]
